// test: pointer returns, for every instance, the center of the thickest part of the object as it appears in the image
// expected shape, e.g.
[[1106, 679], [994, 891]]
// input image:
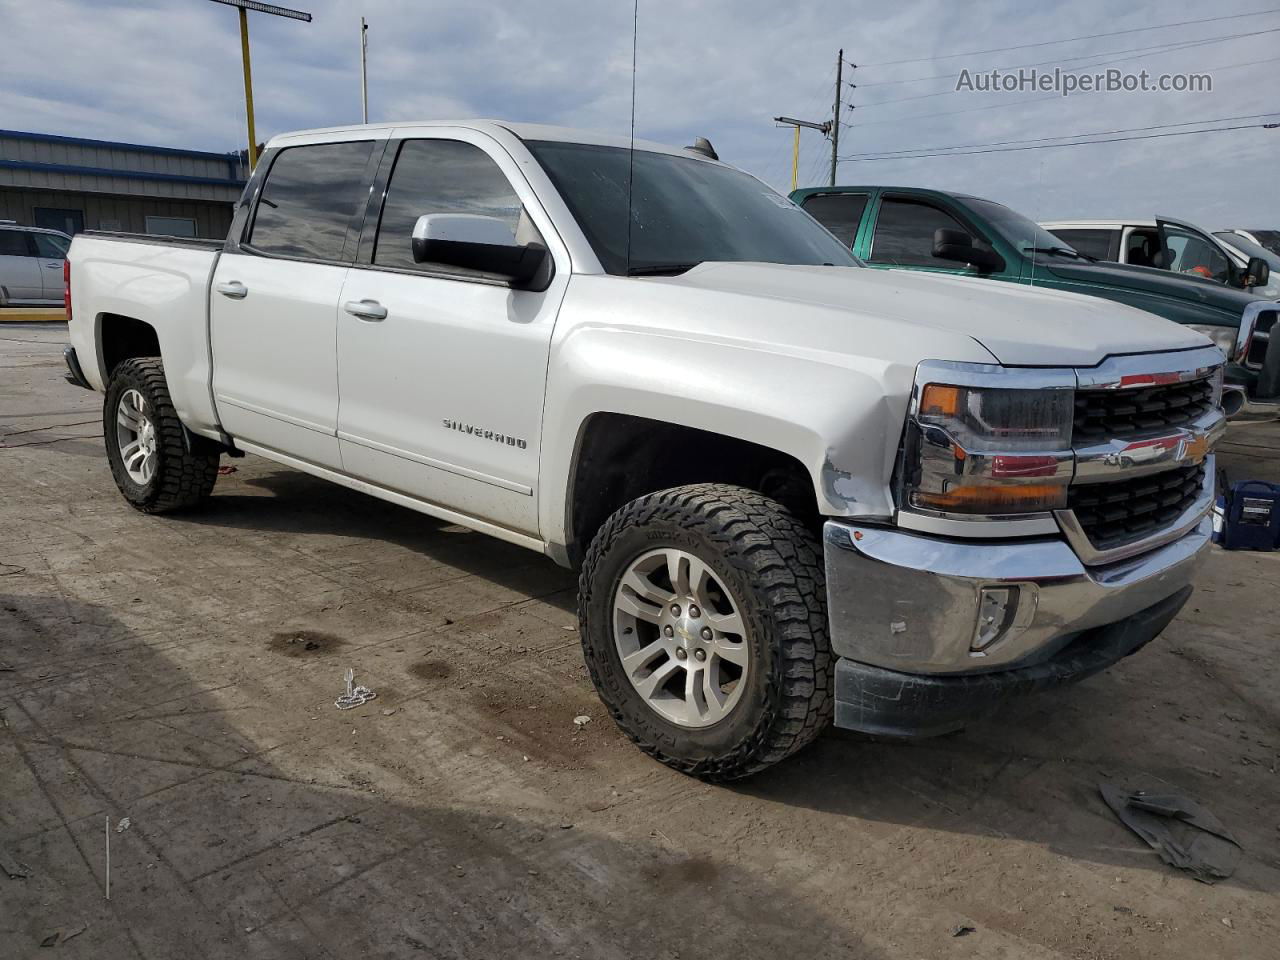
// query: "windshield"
[[1248, 248], [684, 211], [1018, 230], [1268, 238]]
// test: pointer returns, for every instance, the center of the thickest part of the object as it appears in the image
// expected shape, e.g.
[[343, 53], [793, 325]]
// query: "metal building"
[[73, 184]]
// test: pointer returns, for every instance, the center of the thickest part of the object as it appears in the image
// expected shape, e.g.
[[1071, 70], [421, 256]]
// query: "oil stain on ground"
[[304, 643], [431, 670]]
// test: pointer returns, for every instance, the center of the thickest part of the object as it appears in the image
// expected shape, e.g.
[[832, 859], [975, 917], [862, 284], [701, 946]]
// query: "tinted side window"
[[13, 243], [443, 176], [1196, 255], [904, 234], [1092, 243], [50, 246], [839, 213], [309, 199]]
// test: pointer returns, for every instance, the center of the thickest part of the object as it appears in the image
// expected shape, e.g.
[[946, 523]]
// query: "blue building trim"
[[123, 174], [117, 145]]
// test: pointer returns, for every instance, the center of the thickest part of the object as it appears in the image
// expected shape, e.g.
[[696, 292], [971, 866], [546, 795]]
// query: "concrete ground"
[[181, 673]]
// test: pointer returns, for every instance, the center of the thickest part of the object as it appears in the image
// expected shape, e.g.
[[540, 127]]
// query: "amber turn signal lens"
[[940, 401], [996, 498]]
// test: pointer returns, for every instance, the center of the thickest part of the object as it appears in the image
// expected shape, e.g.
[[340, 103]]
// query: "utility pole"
[[835, 117], [242, 6], [364, 69]]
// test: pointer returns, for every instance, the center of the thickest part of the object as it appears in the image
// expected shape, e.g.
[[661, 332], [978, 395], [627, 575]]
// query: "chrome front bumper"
[[911, 603]]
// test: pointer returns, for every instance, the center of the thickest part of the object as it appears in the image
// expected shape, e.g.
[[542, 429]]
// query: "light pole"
[[242, 7], [824, 128]]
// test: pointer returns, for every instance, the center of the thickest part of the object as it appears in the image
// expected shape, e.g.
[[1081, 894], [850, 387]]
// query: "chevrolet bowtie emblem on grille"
[[1185, 449], [1193, 449]]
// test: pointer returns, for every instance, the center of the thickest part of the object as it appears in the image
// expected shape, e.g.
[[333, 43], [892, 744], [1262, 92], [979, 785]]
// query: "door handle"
[[54, 265], [366, 309], [233, 289]]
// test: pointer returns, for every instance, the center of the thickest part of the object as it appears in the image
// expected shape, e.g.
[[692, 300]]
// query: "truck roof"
[[524, 131], [887, 188]]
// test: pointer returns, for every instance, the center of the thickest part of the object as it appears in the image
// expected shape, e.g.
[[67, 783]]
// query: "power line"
[[1014, 103], [945, 93], [1063, 136], [1080, 143], [1159, 47], [1092, 36]]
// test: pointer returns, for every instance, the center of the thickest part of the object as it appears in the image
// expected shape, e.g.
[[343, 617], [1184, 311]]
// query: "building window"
[[171, 226], [69, 222]]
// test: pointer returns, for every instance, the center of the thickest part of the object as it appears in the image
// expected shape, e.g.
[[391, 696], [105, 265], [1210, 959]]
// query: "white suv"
[[31, 261]]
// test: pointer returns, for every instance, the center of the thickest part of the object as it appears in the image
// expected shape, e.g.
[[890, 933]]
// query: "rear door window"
[[13, 243], [310, 199], [841, 213], [904, 234]]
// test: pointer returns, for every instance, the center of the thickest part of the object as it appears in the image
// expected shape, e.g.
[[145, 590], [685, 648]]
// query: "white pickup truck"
[[796, 489]]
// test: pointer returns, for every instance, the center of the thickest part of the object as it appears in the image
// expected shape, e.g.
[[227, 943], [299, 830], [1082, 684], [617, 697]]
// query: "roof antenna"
[[631, 160]]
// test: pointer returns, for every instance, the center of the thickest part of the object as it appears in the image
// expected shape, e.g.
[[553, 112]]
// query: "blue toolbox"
[[1250, 516]]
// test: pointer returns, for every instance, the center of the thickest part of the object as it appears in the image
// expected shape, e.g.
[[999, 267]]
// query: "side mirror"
[[1257, 273], [958, 245], [474, 242]]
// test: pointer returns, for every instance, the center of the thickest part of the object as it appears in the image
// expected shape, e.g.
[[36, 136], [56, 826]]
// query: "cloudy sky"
[[168, 72]]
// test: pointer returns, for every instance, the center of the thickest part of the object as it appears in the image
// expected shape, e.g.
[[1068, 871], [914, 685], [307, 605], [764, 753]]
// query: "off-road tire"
[[186, 467], [773, 566]]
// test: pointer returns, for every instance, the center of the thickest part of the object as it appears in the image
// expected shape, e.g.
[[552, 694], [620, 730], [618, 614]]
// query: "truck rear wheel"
[[156, 465], [702, 613]]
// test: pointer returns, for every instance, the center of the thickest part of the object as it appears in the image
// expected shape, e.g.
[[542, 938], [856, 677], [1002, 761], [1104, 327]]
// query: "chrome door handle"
[[233, 289], [366, 309], [54, 265]]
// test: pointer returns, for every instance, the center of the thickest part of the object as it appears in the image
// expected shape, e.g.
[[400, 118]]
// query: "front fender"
[[842, 421]]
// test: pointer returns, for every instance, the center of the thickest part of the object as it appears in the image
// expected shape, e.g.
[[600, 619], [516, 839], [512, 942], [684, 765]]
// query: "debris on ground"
[[356, 696], [963, 931], [62, 936], [13, 869], [225, 470], [124, 824], [1183, 832], [581, 720]]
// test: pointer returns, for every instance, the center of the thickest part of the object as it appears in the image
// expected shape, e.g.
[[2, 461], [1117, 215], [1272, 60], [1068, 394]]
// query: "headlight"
[[988, 451], [1224, 338]]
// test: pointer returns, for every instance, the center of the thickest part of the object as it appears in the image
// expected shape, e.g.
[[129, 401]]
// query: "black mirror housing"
[[1257, 273], [958, 245]]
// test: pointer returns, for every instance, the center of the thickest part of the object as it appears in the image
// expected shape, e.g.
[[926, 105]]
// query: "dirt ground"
[[181, 673]]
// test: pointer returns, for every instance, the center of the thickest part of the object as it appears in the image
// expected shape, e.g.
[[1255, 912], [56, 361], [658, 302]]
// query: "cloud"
[[169, 73]]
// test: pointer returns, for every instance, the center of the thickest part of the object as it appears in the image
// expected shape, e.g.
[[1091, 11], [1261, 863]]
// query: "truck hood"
[[1175, 286], [1019, 325]]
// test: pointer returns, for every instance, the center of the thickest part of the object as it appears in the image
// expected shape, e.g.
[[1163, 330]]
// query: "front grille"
[[1101, 415], [1261, 338], [1118, 512]]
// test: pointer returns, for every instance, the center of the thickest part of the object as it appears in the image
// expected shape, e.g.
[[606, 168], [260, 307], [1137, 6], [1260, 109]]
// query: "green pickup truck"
[[918, 229]]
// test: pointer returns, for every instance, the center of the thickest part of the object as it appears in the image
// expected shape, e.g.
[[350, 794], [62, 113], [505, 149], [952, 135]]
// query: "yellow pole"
[[795, 159], [248, 87]]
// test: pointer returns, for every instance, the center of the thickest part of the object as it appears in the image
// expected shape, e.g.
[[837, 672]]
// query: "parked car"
[[1166, 245], [796, 489], [31, 261], [935, 231]]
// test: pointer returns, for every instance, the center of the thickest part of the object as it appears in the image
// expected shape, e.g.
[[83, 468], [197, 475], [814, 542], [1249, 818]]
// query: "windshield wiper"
[[1063, 252], [660, 269]]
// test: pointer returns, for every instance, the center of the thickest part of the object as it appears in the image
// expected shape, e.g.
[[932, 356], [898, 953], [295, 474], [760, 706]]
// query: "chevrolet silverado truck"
[[797, 490], [913, 228]]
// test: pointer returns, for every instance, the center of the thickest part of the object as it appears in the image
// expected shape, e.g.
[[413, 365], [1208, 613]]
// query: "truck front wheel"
[[702, 613], [156, 466]]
